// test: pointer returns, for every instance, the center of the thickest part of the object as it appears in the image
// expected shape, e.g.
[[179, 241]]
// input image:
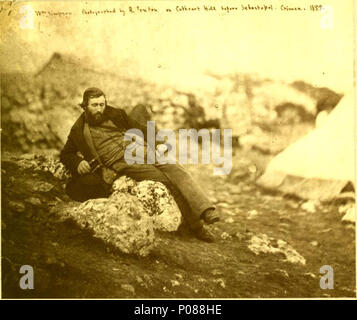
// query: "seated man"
[[94, 153]]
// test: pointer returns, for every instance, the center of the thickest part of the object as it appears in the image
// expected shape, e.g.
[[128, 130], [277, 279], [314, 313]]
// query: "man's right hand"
[[83, 167]]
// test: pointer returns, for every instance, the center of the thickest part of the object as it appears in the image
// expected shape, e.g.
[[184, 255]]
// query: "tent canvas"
[[322, 163]]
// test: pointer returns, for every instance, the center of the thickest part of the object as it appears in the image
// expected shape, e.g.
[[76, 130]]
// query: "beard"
[[95, 119]]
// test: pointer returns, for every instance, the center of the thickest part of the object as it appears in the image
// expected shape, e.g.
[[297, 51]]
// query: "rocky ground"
[[267, 246]]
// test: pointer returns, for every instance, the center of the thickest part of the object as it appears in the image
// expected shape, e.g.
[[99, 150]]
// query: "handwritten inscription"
[[46, 13], [99, 12], [245, 8], [185, 9], [138, 9], [257, 7]]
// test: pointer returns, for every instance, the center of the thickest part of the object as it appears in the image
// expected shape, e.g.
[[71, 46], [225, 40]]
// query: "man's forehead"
[[97, 99]]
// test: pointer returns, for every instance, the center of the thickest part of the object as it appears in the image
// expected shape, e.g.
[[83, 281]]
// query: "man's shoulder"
[[118, 115], [78, 123], [113, 110]]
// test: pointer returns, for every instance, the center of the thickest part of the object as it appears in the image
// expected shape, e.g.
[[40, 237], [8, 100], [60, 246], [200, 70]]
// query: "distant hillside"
[[326, 98], [39, 109]]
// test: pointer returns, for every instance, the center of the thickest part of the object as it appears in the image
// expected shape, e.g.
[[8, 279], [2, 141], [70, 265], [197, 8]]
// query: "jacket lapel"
[[79, 138]]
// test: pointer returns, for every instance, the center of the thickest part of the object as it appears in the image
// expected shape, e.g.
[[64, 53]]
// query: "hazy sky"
[[177, 47]]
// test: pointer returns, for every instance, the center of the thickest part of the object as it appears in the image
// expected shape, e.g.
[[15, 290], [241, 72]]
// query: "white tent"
[[320, 164]]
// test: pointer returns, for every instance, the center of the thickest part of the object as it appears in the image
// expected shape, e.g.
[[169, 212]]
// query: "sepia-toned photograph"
[[177, 150]]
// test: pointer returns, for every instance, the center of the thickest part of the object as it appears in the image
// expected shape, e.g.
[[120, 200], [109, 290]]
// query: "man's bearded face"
[[95, 109]]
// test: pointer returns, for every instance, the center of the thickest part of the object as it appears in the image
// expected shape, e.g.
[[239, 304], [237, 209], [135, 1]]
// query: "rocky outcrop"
[[127, 219], [155, 199], [119, 220], [40, 163], [261, 243]]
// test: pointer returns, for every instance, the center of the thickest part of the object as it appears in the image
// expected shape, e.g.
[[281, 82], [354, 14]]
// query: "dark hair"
[[91, 93]]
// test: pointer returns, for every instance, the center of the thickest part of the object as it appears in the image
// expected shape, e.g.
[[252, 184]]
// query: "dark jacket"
[[76, 148]]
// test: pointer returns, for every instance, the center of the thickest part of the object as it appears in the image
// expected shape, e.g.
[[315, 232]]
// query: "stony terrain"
[[39, 109], [267, 246]]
